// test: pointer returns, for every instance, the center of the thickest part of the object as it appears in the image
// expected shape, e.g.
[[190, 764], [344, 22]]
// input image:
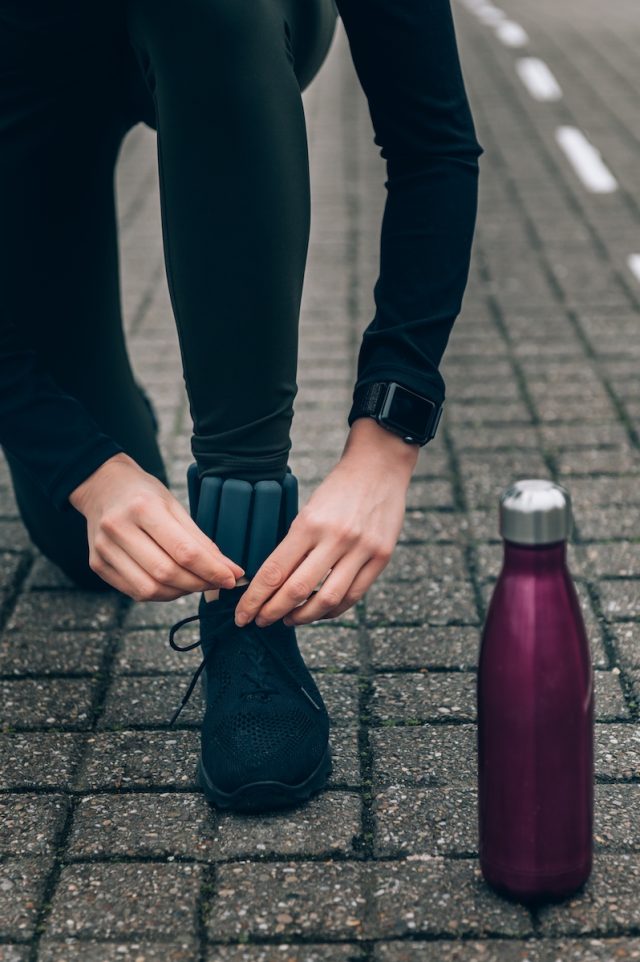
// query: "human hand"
[[141, 539], [349, 527]]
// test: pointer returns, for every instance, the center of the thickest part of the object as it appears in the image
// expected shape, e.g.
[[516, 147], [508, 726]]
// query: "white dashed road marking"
[[538, 79], [586, 160], [634, 265], [512, 34], [490, 14]]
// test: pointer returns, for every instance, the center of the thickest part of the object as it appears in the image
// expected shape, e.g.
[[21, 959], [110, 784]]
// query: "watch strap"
[[368, 400]]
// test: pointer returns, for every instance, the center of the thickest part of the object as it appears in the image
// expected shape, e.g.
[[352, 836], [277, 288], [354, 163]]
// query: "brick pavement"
[[107, 849]]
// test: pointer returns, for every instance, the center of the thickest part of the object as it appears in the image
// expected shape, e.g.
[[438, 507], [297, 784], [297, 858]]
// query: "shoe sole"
[[266, 795]]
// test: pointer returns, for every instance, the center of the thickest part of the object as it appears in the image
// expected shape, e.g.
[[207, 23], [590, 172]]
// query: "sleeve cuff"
[[95, 454], [430, 388]]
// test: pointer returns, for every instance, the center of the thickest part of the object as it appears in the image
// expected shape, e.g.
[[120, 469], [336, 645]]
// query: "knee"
[[191, 29]]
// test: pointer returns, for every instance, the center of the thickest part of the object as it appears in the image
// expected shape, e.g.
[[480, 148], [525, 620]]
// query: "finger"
[[153, 559], [274, 571], [124, 573], [301, 584], [361, 584], [185, 519], [201, 557], [335, 590]]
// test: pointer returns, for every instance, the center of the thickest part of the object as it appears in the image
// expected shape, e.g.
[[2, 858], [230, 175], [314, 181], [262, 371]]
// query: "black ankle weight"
[[245, 519]]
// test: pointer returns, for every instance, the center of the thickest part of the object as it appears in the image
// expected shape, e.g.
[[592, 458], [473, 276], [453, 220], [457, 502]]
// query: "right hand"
[[141, 539]]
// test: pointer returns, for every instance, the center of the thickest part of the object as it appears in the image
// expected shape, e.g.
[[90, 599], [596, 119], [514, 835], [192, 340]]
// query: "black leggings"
[[221, 81]]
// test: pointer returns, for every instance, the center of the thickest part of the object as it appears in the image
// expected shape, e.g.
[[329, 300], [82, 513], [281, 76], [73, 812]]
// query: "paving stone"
[[58, 610], [76, 950], [485, 438], [14, 953], [327, 823], [424, 695], [341, 695], [626, 637], [140, 825], [328, 646], [419, 696], [22, 882], [29, 703], [10, 565], [432, 526], [432, 463], [563, 436], [444, 647], [105, 901], [485, 477], [162, 614], [610, 703], [435, 821], [436, 493], [415, 563], [483, 526], [45, 574], [607, 903], [29, 824], [426, 601], [586, 461], [436, 896], [39, 759], [14, 537], [620, 558], [139, 759], [587, 493], [44, 653], [345, 755], [313, 900], [148, 651], [425, 755], [516, 950], [608, 522], [149, 700], [285, 952], [620, 598], [616, 812], [617, 750], [461, 411]]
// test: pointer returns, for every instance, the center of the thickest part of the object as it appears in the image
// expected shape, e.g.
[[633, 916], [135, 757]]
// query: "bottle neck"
[[540, 557]]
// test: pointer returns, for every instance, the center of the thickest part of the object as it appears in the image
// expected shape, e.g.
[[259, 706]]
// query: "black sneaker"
[[265, 733]]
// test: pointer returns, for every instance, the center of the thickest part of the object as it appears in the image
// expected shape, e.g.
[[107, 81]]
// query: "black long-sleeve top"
[[406, 58]]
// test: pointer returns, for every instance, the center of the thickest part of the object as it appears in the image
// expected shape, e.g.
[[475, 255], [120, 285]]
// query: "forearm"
[[47, 430], [406, 57]]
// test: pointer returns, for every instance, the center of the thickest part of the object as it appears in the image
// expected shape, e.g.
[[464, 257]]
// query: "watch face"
[[407, 412]]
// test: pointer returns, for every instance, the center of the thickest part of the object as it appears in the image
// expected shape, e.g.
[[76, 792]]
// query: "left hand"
[[350, 525]]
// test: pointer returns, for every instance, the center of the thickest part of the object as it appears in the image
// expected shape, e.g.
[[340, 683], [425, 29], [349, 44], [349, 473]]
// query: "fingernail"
[[241, 619], [287, 621], [261, 622]]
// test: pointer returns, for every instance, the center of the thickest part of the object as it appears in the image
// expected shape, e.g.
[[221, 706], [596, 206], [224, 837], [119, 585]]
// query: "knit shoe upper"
[[265, 720]]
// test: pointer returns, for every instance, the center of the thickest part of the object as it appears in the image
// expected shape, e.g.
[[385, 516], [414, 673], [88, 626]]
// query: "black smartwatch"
[[412, 416]]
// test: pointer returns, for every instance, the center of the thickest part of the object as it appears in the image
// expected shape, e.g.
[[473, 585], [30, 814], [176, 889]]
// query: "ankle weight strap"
[[245, 519]]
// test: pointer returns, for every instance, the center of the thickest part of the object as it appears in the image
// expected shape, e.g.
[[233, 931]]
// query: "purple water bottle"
[[535, 705]]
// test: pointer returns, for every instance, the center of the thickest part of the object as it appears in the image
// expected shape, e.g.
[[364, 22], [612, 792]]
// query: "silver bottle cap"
[[535, 511]]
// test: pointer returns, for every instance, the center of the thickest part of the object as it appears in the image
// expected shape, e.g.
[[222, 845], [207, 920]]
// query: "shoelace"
[[257, 674], [220, 632]]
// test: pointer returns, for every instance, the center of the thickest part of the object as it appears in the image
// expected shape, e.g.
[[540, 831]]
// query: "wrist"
[[370, 440], [82, 492]]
